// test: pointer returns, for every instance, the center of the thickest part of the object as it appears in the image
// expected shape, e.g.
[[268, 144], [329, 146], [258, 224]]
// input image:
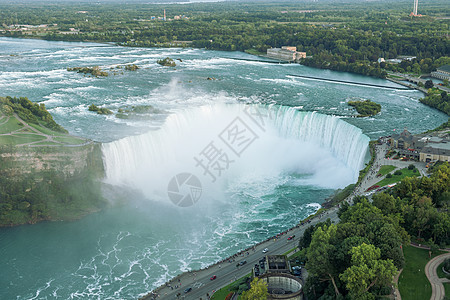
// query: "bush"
[[389, 175], [411, 167], [447, 265], [242, 288], [365, 108], [398, 172], [229, 296]]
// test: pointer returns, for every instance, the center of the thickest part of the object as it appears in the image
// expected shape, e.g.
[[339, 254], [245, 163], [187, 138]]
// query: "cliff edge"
[[45, 173]]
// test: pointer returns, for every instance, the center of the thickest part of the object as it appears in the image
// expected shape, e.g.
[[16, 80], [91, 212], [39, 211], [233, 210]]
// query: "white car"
[[265, 250]]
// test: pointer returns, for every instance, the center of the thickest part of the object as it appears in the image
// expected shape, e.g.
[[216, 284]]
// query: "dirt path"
[[437, 286]]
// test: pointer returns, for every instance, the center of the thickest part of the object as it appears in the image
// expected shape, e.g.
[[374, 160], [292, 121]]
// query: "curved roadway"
[[437, 286], [227, 272]]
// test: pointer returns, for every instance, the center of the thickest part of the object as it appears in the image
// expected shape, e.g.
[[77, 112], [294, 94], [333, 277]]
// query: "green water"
[[125, 251]]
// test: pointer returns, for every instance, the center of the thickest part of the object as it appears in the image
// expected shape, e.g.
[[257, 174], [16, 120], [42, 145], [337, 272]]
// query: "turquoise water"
[[126, 251]]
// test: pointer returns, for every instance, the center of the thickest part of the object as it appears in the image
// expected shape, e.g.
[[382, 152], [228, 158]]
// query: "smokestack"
[[416, 4]]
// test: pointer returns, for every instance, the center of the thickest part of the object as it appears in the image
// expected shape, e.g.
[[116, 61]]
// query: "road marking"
[[197, 285]]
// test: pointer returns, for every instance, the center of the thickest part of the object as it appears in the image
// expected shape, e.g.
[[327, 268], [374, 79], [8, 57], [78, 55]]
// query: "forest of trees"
[[347, 37], [357, 257], [437, 99]]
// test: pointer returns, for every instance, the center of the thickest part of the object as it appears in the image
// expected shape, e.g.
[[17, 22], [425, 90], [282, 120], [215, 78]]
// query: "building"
[[442, 73], [280, 283], [403, 140], [435, 152], [427, 148], [283, 286], [286, 53], [277, 264]]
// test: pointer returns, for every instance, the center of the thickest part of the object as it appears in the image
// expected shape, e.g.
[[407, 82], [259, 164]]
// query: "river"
[[309, 145]]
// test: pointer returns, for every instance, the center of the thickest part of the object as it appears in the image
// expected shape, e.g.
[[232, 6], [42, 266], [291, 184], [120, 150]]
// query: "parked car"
[[242, 262]]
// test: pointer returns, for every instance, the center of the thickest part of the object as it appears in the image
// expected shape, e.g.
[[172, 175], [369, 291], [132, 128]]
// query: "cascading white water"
[[327, 150], [345, 140]]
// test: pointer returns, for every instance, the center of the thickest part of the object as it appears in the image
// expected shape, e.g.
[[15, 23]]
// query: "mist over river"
[[307, 144]]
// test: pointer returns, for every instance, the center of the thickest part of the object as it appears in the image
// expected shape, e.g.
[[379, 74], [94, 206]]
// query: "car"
[[291, 237], [187, 290], [242, 262], [265, 250], [213, 277]]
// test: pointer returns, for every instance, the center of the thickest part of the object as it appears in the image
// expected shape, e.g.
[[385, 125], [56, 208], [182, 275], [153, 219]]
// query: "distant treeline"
[[346, 37]]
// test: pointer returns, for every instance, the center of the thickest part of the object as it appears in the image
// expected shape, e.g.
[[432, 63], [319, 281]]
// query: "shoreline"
[[322, 214]]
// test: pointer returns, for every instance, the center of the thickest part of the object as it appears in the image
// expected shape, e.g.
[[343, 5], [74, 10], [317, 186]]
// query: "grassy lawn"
[[223, 292], [413, 283], [386, 169], [395, 76], [47, 144], [69, 140], [46, 130], [20, 139], [396, 178], [441, 274], [12, 125], [292, 250], [447, 289], [254, 52]]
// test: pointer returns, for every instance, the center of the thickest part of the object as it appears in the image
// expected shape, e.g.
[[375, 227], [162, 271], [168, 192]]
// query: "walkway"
[[437, 286]]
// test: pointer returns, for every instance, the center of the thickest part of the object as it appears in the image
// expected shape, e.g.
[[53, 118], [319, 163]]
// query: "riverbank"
[[226, 270]]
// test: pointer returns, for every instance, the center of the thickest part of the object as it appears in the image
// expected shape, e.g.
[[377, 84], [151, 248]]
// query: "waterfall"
[[286, 140], [346, 141]]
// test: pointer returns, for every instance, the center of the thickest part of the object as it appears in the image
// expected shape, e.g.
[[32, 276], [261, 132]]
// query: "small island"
[[137, 112], [166, 62], [100, 110], [365, 108], [131, 67], [94, 71]]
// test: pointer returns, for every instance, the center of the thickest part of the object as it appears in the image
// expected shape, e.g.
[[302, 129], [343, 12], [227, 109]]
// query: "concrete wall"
[[286, 282]]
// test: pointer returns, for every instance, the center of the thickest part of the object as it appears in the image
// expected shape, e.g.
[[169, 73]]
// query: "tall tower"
[[416, 4], [165, 12]]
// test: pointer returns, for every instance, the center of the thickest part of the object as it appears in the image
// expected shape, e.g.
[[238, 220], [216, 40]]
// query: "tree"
[[429, 84], [367, 270], [321, 255], [258, 290], [385, 202]]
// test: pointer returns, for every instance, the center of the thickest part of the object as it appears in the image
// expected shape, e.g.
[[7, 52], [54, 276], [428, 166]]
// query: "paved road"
[[227, 272], [437, 287]]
